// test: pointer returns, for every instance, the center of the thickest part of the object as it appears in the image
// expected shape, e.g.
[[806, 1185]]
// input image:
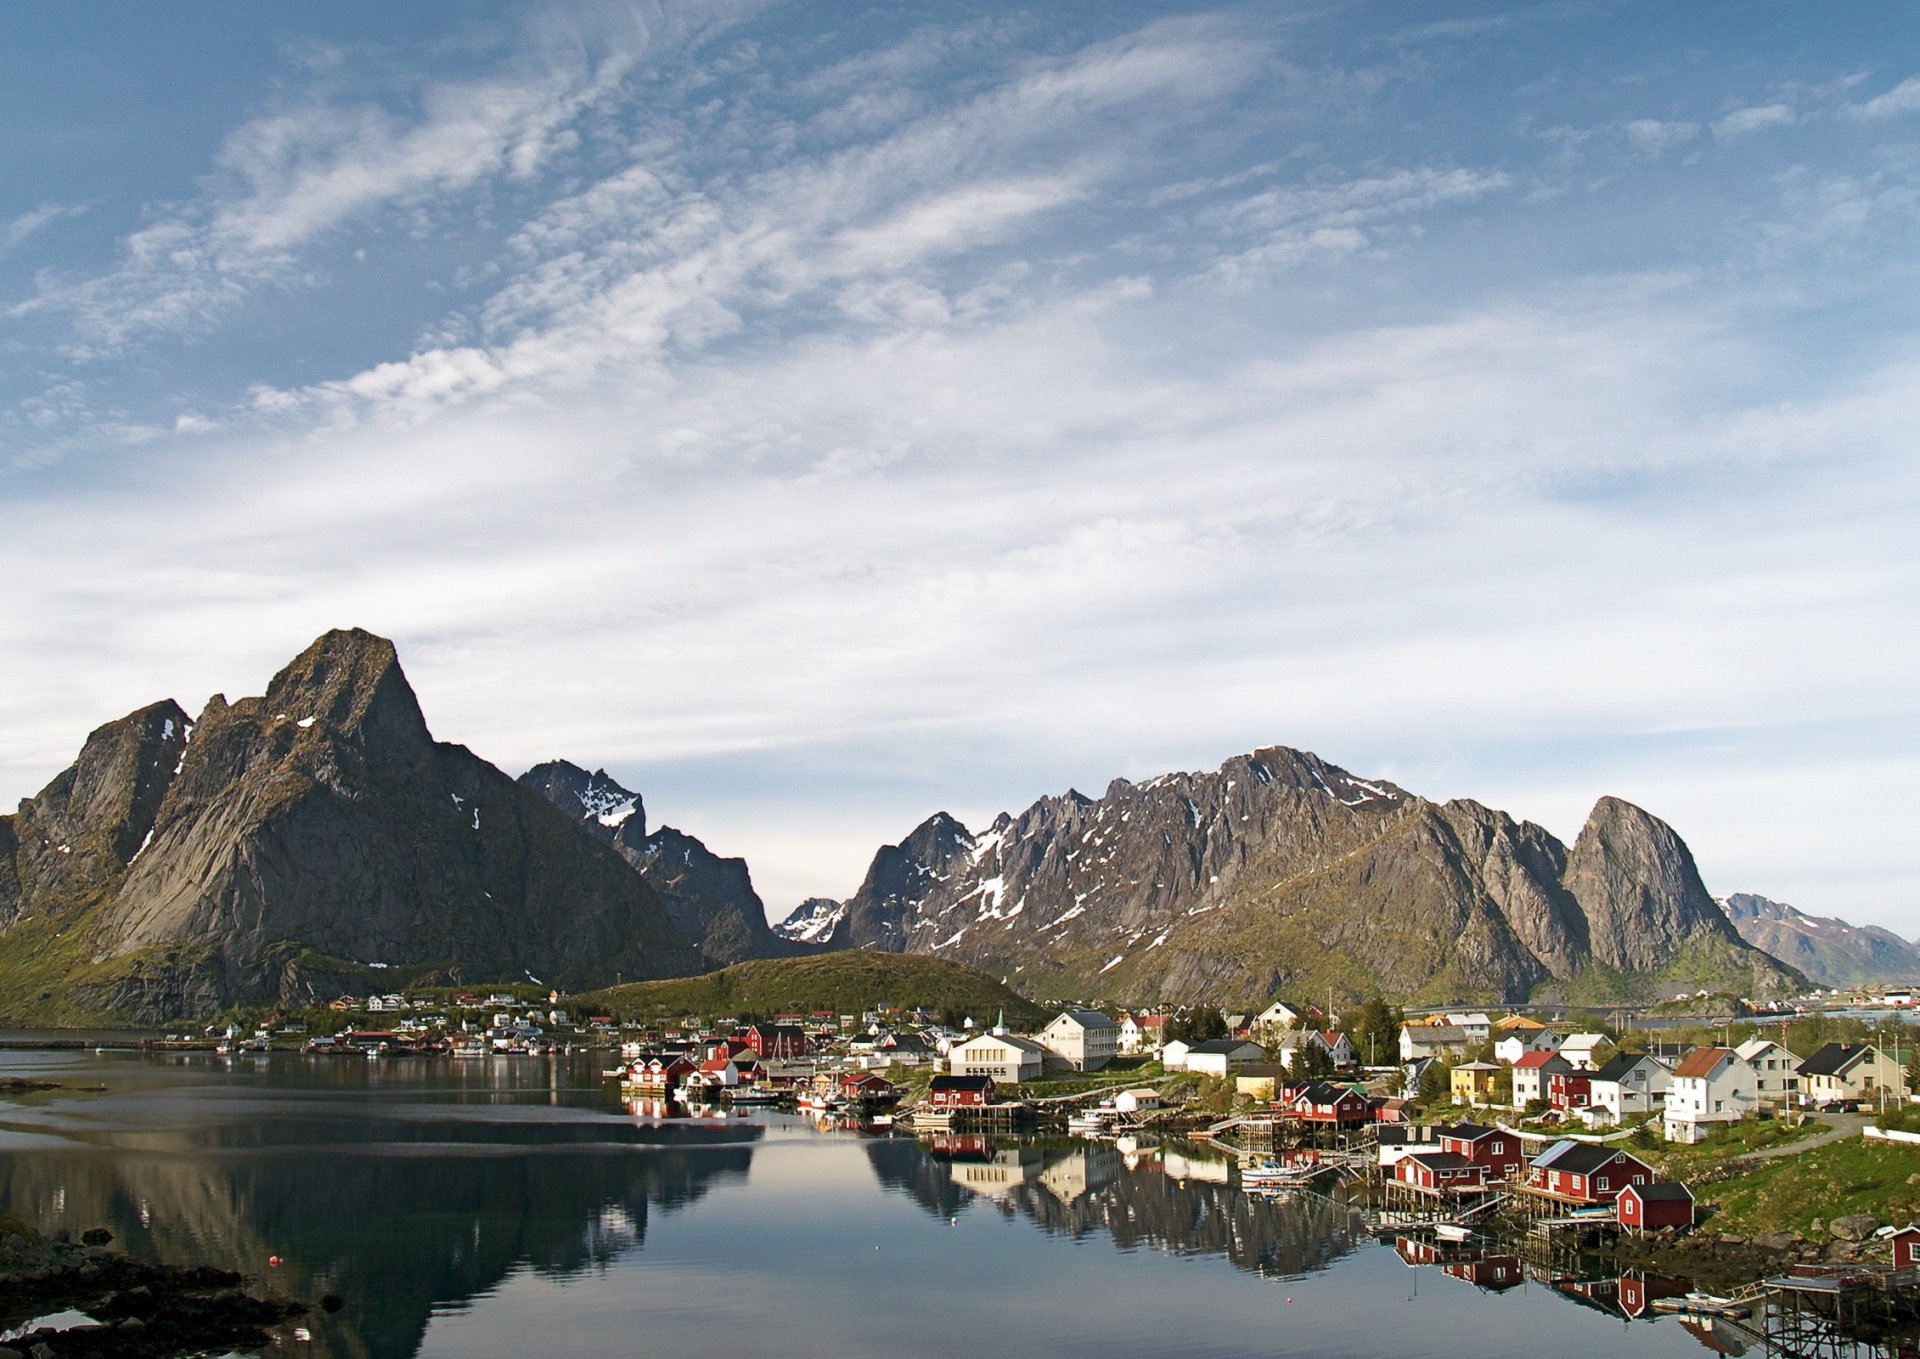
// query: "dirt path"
[[1839, 1126]]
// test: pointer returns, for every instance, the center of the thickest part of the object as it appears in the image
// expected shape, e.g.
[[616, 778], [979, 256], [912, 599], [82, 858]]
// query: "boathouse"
[[960, 1092], [778, 1042], [1584, 1174], [1440, 1172], [1327, 1104], [1664, 1203], [1495, 1148]]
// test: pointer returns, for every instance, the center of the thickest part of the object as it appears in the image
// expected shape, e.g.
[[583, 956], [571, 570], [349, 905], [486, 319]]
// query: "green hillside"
[[844, 982]]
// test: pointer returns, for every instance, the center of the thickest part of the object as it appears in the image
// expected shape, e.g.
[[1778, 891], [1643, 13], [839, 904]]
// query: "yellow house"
[[1473, 1082], [1258, 1081]]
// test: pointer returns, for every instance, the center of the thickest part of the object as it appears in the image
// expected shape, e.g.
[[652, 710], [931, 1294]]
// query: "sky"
[[820, 416]]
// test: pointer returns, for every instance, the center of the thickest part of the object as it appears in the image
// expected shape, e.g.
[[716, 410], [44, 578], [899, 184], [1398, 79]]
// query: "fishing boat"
[[1453, 1231], [742, 1095]]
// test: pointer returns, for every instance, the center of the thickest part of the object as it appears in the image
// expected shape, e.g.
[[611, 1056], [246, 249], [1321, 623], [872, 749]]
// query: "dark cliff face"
[[710, 899], [1281, 871], [1830, 951], [321, 825]]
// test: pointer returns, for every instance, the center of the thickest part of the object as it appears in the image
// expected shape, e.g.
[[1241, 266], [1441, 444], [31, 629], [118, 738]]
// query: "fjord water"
[[514, 1207]]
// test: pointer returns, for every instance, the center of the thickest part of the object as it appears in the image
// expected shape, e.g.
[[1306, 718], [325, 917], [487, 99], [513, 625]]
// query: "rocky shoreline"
[[1720, 1260], [139, 1310]]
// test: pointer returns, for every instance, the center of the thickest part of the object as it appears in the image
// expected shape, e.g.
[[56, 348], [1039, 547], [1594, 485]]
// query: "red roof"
[[1701, 1062], [1533, 1059]]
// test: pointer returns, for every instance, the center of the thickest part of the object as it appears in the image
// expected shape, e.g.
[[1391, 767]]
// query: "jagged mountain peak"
[[350, 680], [1829, 950], [595, 797], [1281, 866]]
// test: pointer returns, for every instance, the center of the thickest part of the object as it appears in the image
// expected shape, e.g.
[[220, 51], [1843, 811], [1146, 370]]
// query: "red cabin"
[[868, 1088], [1440, 1172], [1570, 1089], [1585, 1173], [1324, 1102], [960, 1092], [1495, 1148], [1662, 1203], [777, 1042], [1906, 1248]]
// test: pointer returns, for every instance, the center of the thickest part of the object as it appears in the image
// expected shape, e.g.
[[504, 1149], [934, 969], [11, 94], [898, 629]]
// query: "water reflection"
[[1079, 1189], [408, 1204]]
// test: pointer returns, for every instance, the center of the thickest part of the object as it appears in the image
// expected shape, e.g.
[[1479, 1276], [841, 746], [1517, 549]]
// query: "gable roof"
[[1834, 1058], [1540, 1060], [1703, 1062], [1620, 1064], [1086, 1019], [984, 1083], [1465, 1132], [1440, 1160], [1222, 1046], [1660, 1190], [1578, 1158], [1427, 1035]]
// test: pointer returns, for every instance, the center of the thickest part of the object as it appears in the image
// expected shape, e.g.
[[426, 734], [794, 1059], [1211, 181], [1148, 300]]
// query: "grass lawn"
[[1849, 1176]]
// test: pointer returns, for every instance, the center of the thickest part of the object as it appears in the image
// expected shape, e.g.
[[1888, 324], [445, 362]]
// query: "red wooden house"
[[1326, 1104], [1661, 1203], [868, 1087], [1440, 1172], [1495, 1148], [778, 1042], [1906, 1248], [1585, 1173], [1493, 1273], [1569, 1090], [661, 1073], [960, 1092]]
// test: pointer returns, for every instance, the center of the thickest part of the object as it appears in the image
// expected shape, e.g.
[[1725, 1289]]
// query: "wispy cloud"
[[1901, 99], [16, 233], [1744, 122]]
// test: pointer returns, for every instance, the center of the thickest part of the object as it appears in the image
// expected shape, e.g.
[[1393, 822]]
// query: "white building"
[[1520, 1042], [1578, 1049], [1776, 1071], [1712, 1086], [1629, 1085], [1276, 1019], [1432, 1040], [1215, 1058], [1006, 1058], [1081, 1040]]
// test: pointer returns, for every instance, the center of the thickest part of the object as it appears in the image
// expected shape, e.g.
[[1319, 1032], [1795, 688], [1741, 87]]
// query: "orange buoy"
[[273, 1262]]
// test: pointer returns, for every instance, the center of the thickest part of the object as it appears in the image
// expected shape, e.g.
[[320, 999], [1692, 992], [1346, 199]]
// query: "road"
[[1839, 1126]]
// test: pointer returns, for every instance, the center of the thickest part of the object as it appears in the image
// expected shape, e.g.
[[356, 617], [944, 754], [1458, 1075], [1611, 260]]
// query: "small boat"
[[1704, 1305], [1452, 1231], [1084, 1123], [745, 1095]]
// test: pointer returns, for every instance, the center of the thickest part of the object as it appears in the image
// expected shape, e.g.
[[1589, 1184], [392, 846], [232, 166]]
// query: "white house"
[[1080, 1040], [1578, 1050], [1713, 1085], [1628, 1085], [1850, 1071], [1477, 1023], [1520, 1042], [1776, 1071], [1136, 1101], [1215, 1058], [1276, 1019], [1003, 1056], [1294, 1042], [1432, 1040], [1534, 1073]]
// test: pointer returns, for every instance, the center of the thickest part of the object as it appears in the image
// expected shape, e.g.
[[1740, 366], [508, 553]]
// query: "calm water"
[[513, 1208]]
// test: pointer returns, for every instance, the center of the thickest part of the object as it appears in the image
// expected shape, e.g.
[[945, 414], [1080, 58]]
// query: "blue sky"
[[825, 415]]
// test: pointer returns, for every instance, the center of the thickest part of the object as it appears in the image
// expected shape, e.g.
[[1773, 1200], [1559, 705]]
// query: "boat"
[[745, 1094], [1453, 1231], [1704, 1305], [1089, 1122]]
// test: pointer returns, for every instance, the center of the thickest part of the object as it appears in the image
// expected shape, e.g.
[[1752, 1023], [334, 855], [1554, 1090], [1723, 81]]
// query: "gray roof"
[[1087, 1019]]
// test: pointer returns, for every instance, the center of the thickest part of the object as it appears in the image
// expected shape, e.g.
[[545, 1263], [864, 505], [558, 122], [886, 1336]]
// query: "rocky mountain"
[[277, 848], [816, 920], [1281, 872], [710, 899], [1831, 952]]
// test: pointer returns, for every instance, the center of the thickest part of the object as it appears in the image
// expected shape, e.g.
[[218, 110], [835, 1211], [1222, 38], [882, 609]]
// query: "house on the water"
[[961, 1092], [1584, 1174], [1650, 1207], [1442, 1174]]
